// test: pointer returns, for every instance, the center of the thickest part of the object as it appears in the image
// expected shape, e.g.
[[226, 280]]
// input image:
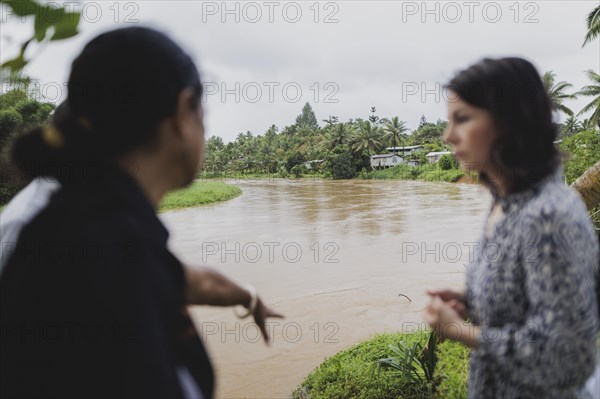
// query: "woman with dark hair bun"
[[92, 302], [531, 283], [124, 87]]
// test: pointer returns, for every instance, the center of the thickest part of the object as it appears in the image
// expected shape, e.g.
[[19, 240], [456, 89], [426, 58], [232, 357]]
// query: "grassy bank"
[[432, 173], [353, 373], [199, 193]]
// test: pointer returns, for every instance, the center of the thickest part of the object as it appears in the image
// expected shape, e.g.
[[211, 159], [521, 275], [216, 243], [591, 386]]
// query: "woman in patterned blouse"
[[530, 299]]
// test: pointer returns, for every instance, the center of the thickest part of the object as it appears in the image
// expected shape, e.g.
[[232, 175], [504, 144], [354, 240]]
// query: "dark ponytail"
[[31, 154], [42, 151], [121, 87]]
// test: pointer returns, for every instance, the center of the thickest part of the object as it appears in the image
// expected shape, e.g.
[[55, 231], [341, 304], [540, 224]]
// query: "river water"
[[333, 257]]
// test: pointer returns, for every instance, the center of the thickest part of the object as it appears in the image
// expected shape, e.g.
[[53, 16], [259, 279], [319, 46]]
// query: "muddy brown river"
[[333, 257]]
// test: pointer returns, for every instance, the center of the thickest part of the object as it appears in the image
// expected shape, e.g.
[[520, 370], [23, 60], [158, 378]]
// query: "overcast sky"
[[261, 61]]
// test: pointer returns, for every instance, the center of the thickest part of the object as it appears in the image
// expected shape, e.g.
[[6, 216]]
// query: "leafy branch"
[[61, 23]]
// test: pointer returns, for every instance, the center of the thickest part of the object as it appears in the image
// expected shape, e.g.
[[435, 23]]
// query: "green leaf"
[[16, 63], [19, 62], [22, 7], [41, 26], [66, 26]]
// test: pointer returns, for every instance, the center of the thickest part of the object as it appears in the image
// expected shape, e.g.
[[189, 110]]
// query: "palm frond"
[[593, 25]]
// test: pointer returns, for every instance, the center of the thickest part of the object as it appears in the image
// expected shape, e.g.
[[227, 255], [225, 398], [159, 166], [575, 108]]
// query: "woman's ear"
[[186, 113]]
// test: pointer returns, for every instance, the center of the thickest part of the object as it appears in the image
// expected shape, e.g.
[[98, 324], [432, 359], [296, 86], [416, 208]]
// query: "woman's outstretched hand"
[[261, 314], [207, 286]]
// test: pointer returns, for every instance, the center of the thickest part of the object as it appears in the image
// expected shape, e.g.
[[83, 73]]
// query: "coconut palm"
[[587, 124], [593, 25], [213, 163], [592, 90], [339, 134], [395, 131], [571, 126], [368, 138], [556, 92]]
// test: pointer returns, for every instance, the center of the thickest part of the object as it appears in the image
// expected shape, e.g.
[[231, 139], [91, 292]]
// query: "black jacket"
[[92, 301]]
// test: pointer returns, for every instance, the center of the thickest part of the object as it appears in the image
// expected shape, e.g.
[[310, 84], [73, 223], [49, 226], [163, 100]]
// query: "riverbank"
[[430, 173], [199, 193], [356, 371]]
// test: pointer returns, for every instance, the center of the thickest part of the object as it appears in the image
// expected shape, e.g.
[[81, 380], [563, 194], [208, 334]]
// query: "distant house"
[[316, 162], [385, 161], [404, 151], [435, 156], [396, 156]]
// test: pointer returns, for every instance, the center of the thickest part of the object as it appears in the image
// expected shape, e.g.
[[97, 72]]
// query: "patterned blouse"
[[531, 288]]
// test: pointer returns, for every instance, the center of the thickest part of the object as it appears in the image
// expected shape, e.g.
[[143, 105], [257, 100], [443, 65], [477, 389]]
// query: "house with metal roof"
[[385, 160], [404, 151], [435, 156]]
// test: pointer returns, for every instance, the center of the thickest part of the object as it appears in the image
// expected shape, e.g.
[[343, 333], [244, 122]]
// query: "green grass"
[[199, 193], [452, 369], [2, 207], [353, 373], [432, 173]]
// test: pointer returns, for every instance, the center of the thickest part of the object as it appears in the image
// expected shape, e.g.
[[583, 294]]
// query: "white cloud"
[[374, 49]]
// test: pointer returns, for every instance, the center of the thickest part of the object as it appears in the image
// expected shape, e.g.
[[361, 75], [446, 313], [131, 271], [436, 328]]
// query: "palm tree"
[[592, 90], [556, 92], [213, 163], [588, 184], [368, 138], [271, 134], [587, 124], [339, 135], [395, 131], [593, 25], [241, 138], [571, 126]]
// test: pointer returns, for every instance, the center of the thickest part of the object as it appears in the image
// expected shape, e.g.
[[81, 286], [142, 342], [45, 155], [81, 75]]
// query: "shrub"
[[10, 120], [298, 170], [340, 163], [583, 150], [18, 113], [447, 162]]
